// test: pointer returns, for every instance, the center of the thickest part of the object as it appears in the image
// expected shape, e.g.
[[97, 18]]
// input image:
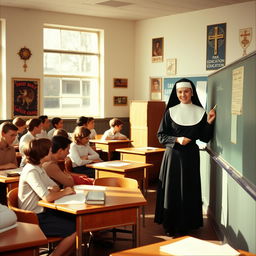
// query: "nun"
[[179, 201]]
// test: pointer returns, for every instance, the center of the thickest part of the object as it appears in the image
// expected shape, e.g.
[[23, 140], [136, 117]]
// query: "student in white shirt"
[[21, 125], [81, 153], [90, 126], [45, 127], [57, 123], [34, 128], [114, 133], [35, 185]]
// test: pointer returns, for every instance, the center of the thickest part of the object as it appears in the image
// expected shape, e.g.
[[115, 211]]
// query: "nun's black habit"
[[179, 202]]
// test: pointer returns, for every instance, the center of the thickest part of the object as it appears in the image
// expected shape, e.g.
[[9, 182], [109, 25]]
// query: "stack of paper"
[[95, 197], [193, 246], [71, 199]]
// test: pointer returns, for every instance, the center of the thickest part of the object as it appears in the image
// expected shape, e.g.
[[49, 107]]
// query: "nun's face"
[[184, 95]]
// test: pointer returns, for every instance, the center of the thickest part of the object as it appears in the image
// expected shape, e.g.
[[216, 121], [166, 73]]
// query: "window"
[[71, 72]]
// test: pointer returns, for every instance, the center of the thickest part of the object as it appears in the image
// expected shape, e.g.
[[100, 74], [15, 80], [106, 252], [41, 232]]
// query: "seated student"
[[57, 123], [90, 126], [34, 128], [113, 133], [35, 185], [8, 218], [21, 125], [60, 149], [82, 121], [81, 153], [8, 133], [45, 127], [61, 132]]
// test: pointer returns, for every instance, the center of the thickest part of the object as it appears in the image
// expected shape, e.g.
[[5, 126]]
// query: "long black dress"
[[179, 202]]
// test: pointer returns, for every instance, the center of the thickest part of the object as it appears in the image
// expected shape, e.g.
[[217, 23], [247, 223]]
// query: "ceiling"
[[120, 9]]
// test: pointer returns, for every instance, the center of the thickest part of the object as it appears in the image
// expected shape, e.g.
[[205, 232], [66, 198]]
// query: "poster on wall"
[[199, 81], [216, 46], [25, 97]]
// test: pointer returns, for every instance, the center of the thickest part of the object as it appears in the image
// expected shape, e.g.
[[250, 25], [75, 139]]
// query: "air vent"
[[114, 3]]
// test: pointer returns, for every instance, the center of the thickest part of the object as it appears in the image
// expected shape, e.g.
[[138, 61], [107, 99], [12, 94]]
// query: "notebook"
[[95, 197]]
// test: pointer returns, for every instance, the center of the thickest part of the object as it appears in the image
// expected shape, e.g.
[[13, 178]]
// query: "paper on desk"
[[17, 170], [146, 148], [117, 164], [71, 199], [193, 246], [81, 188], [8, 228]]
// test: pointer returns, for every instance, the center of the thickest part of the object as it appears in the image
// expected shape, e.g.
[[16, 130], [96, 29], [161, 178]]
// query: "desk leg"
[[79, 236]]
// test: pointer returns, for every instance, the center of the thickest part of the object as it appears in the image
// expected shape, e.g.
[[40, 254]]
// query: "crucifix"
[[215, 37]]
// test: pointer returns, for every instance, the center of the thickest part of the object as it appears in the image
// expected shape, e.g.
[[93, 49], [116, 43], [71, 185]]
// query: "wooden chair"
[[28, 217], [118, 182]]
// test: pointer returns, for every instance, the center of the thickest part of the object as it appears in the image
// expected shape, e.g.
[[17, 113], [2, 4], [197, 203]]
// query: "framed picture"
[[156, 88], [157, 49], [120, 100], [171, 67], [120, 82], [216, 46], [25, 97]]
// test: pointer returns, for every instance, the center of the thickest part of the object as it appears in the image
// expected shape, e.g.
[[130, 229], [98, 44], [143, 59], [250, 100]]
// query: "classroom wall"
[[24, 27], [185, 39]]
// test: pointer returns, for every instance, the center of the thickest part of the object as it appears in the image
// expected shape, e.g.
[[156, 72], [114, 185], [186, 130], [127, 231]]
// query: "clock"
[[24, 54]]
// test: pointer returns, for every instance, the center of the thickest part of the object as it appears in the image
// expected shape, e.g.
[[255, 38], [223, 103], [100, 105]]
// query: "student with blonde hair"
[[35, 185], [81, 153]]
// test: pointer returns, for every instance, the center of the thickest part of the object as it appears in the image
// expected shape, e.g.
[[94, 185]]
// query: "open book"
[[95, 197]]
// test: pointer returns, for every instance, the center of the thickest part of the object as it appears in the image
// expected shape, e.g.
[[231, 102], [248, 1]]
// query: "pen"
[[214, 106]]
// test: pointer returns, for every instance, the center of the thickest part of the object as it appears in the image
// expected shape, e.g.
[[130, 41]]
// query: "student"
[[113, 133], [90, 126], [21, 125], [82, 121], [61, 132], [8, 133], [81, 153], [60, 149], [34, 128], [8, 218], [35, 185], [57, 123], [45, 127]]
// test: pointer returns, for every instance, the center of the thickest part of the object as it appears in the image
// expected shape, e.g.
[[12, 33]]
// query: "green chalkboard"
[[242, 154]]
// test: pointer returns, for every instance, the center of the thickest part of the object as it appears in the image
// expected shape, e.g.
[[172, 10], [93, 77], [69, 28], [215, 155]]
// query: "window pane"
[[51, 103], [71, 103], [70, 40], [51, 63], [70, 87], [89, 42], [51, 86], [90, 65], [52, 38], [70, 64]]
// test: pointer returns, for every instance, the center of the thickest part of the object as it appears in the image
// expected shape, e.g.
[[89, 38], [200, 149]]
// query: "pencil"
[[214, 106]]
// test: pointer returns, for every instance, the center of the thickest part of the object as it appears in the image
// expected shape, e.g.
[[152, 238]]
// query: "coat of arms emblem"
[[245, 37]]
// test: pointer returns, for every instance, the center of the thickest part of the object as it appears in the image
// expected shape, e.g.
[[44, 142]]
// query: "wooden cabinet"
[[145, 117]]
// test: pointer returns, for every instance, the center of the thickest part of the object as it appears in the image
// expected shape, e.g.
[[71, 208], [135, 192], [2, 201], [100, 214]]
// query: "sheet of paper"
[[193, 246], [117, 164], [8, 228], [145, 148], [81, 188], [78, 198]]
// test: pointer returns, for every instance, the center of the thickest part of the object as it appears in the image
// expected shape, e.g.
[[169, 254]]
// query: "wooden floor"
[[103, 244]]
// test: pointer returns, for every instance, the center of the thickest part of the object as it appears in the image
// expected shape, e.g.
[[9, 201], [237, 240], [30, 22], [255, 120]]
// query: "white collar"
[[186, 114]]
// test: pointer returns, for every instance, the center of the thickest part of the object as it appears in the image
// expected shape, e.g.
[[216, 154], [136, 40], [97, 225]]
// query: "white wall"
[[185, 39], [25, 28]]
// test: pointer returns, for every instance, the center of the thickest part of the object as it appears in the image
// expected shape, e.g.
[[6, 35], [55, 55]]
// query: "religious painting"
[[120, 82], [25, 94], [170, 67], [156, 88], [120, 100], [245, 38], [157, 49], [216, 46]]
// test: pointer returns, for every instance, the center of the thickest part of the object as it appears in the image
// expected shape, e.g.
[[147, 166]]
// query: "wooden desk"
[[154, 249], [144, 155], [7, 184], [110, 146], [128, 170], [25, 239], [121, 208]]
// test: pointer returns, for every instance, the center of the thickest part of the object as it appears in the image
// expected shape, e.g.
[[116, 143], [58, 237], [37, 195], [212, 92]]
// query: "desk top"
[[154, 249], [116, 198], [5, 179], [23, 236], [141, 150], [106, 142], [118, 165]]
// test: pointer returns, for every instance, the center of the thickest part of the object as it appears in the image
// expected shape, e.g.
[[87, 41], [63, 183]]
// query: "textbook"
[[95, 197]]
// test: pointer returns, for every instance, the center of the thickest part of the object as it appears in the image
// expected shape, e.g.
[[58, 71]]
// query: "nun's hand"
[[183, 140], [211, 116]]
